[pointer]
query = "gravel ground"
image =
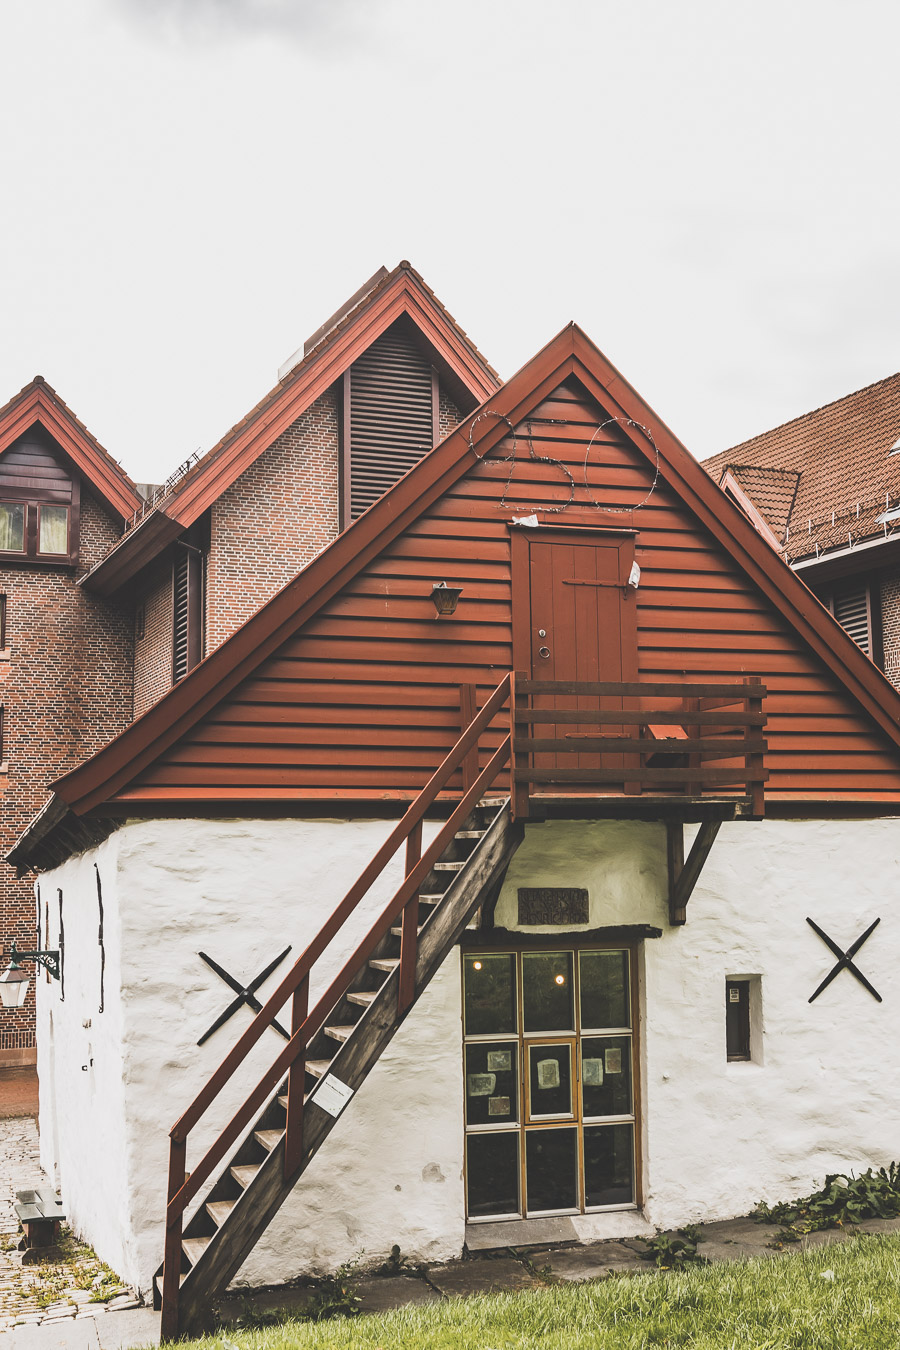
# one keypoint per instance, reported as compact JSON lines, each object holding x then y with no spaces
{"x":58,"y":1288}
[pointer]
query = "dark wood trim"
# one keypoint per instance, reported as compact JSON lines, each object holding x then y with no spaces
{"x":435,"y":407}
{"x":345,"y":423}
{"x":684,"y":874}
{"x":623,"y":934}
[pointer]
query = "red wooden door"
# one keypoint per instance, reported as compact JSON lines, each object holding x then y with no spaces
{"x":581,"y":626}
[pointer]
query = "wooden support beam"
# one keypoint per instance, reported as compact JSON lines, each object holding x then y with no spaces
{"x":683,"y":875}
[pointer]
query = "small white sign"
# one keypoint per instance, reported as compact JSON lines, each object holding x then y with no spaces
{"x":332,"y":1095}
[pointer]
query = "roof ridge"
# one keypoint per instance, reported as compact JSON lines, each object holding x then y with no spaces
{"x":802,"y":417}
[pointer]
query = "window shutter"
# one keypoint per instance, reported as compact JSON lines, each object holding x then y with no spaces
{"x":391,"y":416}
{"x":851,"y":609}
{"x":186,"y":630}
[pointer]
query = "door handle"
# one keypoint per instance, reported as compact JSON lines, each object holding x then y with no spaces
{"x":544,"y":653}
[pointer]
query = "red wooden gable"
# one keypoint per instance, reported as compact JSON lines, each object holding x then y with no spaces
{"x":39,"y":405}
{"x":346,"y":685}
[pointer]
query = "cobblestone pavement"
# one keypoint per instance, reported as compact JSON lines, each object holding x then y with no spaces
{"x":57,"y":1289}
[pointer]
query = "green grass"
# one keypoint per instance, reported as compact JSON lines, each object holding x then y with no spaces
{"x":765,"y":1304}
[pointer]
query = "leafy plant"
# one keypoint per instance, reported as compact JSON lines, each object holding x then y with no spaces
{"x":335,"y":1295}
{"x":842,"y":1200}
{"x":677,"y":1248}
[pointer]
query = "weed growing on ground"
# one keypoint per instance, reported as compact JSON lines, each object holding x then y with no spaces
{"x":335,"y":1295}
{"x":842,"y":1200}
{"x":671,"y":1250}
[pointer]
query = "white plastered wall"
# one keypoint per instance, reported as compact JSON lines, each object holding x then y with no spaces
{"x":715,"y":1136}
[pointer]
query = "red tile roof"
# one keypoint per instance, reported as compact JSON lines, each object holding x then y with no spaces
{"x":838,"y":459}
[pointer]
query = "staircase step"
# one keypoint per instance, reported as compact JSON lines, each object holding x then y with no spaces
{"x":398,"y":931}
{"x":218,"y":1210}
{"x":283,"y":1101}
{"x":450,"y":866}
{"x":362,"y":997}
{"x":194,"y":1248}
{"x":158,"y":1281}
{"x":244,"y":1175}
{"x":340,"y":1033}
{"x":318,"y":1067}
{"x":268,"y":1138}
{"x":470,"y":834}
{"x":384,"y":963}
{"x":433,"y":899}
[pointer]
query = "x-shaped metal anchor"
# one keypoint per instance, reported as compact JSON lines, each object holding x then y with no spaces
{"x":845,"y":960}
{"x":247,"y":995}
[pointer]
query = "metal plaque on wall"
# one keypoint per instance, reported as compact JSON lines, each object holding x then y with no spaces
{"x":562,"y":905}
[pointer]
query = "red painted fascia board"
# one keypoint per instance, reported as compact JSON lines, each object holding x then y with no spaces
{"x":208,"y":482}
{"x":104,"y":477}
{"x":728,"y":525}
{"x":102,"y":776}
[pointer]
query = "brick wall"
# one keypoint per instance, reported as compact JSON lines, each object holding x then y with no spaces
{"x":448,"y":413}
{"x":153,"y":650}
{"x":890,"y":624}
{"x":273,"y":521}
{"x":65,"y":687}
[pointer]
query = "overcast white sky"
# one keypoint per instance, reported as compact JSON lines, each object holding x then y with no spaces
{"x":190,"y":187}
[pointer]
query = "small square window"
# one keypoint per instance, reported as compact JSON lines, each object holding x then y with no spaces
{"x":12,"y":527}
{"x":53,"y":529}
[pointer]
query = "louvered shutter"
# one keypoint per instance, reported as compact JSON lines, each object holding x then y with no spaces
{"x":851,"y":609}
{"x":187,"y":607}
{"x":391,"y":421}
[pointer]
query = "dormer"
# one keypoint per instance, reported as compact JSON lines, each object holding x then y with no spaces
{"x":40,"y":499}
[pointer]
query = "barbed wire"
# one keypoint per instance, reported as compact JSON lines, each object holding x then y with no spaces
{"x":512,"y":459}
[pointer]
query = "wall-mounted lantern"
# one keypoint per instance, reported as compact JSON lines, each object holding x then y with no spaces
{"x":445,"y":597}
{"x":14,"y":982}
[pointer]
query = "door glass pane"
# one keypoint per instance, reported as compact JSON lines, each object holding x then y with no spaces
{"x":551,"y":1165}
{"x":608,"y":1165}
{"x":604,"y":990}
{"x":547,"y":991}
{"x":492,"y":1083}
{"x":490,"y":994}
{"x":12,"y":527}
{"x":549,"y":1080}
{"x":53,"y":535}
{"x":492,"y":1174}
{"x":606,"y":1076}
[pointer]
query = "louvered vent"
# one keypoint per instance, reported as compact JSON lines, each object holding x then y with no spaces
{"x":186,"y":594}
{"x":391,"y":416}
{"x":851,"y":609}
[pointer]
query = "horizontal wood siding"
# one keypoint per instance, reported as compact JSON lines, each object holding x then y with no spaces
{"x":30,"y":471}
{"x":364,"y":700}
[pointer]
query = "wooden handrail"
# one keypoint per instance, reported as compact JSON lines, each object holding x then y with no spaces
{"x":370,"y":874}
{"x":182,"y":1187}
{"x":296,"y":1046}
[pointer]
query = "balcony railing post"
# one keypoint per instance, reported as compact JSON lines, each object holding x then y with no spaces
{"x":296,"y":1085}
{"x":466,"y":715}
{"x":168,"y":1329}
{"x":409,"y":925}
{"x":518,"y":760}
{"x":755,"y":762}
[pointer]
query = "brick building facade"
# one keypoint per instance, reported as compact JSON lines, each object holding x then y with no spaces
{"x":96,"y":639}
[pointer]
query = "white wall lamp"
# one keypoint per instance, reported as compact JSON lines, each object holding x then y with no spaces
{"x":445,"y":597}
{"x":14,"y":982}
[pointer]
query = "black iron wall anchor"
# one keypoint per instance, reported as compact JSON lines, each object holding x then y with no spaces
{"x":247,"y":995}
{"x":845,"y":960}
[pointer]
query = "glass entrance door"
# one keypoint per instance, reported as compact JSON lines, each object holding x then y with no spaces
{"x":549,"y":1049}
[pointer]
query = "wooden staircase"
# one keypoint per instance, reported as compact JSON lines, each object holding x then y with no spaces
{"x":259,"y":1157}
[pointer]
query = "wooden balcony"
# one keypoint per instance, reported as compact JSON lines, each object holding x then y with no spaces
{"x":684,"y":749}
